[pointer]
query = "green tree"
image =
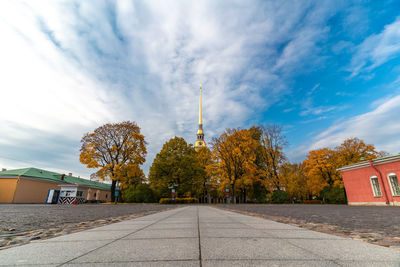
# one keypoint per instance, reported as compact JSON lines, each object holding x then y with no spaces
{"x":177,"y":163}
{"x":141,"y":193}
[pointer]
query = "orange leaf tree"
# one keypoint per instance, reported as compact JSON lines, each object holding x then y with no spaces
{"x":205,"y":159}
{"x":112,"y":148}
{"x":235,"y":154}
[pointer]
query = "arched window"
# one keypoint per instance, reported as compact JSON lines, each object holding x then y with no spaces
{"x":376,"y":188}
{"x":394,"y":184}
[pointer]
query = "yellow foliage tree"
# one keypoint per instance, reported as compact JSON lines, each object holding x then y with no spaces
{"x":272,"y":157}
{"x":321,"y":164}
{"x":205,"y":159}
{"x":113,"y":148}
{"x":295,"y":179}
{"x":354,"y":150}
{"x":320,"y":167}
{"x":235,"y":154}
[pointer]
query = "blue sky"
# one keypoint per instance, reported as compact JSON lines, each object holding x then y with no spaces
{"x":324,"y":70}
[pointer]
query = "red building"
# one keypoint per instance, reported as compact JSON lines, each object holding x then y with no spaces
{"x":373,"y":182}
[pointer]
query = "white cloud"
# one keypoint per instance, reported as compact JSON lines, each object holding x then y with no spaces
{"x":379,"y":127}
{"x":377,"y":49}
{"x":68,"y":67}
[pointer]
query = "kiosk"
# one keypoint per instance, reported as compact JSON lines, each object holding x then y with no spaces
{"x":72,"y":194}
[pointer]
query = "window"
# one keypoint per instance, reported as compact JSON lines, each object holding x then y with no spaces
{"x":376,"y":189}
{"x":79,"y":194}
{"x":394,"y":184}
{"x":94,"y":194}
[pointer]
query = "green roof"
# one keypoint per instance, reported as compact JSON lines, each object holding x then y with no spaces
{"x":54,"y":177}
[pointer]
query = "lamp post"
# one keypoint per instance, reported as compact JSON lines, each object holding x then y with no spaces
{"x":172,"y":187}
{"x":116,"y":192}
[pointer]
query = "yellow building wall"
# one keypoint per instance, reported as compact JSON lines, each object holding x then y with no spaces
{"x":33,"y":191}
{"x":101,"y":195}
{"x":7,"y":189}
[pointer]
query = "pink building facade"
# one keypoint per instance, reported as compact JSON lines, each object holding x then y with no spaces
{"x":374,"y":182}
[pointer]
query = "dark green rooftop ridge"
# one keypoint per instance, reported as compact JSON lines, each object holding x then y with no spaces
{"x":54,"y":177}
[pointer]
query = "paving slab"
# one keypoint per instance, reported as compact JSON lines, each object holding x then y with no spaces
{"x":144,"y":250}
{"x":199,"y":236}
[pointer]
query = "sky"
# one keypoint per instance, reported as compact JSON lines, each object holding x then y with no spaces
{"x":323,"y":70}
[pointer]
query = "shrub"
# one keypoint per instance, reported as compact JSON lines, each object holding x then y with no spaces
{"x":186,"y":200}
{"x":314,"y":201}
{"x":333,"y":195}
{"x":279,"y":196}
{"x":141,"y":193}
{"x":165,"y":201}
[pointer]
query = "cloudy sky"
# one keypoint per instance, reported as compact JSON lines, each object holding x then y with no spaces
{"x":324,"y":70}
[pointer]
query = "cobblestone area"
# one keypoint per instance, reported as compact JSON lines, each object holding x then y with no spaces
{"x":377,"y":225}
{"x":19,"y":224}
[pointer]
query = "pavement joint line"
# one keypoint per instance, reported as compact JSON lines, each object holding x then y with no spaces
{"x":115,"y":240}
{"x":198,"y":231}
{"x":286,"y":240}
{"x":137,"y":238}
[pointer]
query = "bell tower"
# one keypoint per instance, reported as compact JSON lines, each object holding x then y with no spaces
{"x":200,"y":134}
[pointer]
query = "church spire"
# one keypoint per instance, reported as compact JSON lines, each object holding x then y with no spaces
{"x":200,"y":116}
{"x":200,"y":134}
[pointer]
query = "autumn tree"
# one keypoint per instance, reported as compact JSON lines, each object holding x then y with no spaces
{"x":235,"y":155}
{"x":353,"y":150}
{"x":112,"y":148}
{"x":320,"y":167}
{"x":177,"y":163}
{"x":130,"y":175}
{"x":295,"y":179}
{"x":205,"y":160}
{"x":272,"y":156}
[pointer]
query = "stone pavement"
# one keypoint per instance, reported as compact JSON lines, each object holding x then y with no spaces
{"x":199,"y":236}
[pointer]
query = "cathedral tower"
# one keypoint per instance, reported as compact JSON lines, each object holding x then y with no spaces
{"x":200,"y":134}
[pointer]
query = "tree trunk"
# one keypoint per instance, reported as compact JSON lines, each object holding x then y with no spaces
{"x":113,"y":183}
{"x":233,"y":199}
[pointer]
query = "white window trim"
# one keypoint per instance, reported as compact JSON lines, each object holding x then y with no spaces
{"x":390,"y":183}
{"x":372,"y":185}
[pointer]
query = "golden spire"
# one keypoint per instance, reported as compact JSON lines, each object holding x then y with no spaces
{"x":200,"y":117}
{"x":200,"y":134}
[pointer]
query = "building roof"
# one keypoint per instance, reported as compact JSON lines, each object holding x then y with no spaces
{"x":365,"y":163}
{"x":54,"y":177}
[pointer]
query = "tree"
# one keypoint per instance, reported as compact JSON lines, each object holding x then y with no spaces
{"x":177,"y":163}
{"x":130,"y":175}
{"x":320,"y":167}
{"x":354,"y":150}
{"x":272,"y":157}
{"x":295,"y":179}
{"x":235,"y":154}
{"x":205,"y":160}
{"x":111,"y":147}
{"x":141,"y":193}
